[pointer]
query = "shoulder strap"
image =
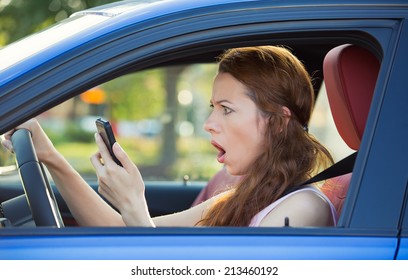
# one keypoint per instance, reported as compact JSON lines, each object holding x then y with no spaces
{"x":341,"y":167}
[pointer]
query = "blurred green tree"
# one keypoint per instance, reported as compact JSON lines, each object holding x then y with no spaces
{"x":19,"y":18}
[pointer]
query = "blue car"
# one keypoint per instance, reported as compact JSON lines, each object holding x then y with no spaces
{"x":153,"y":54}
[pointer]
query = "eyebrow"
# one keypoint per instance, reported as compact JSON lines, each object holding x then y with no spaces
{"x":220,"y":101}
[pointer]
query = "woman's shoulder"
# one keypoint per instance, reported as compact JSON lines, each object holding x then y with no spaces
{"x":306,"y":207}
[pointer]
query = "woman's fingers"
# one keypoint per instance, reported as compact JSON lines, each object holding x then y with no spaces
{"x":7,"y":144}
{"x":117,"y":150}
{"x":103,"y":150}
{"x":124,"y":159}
{"x":120,"y":185}
{"x":96,"y":161}
{"x":42,"y":144}
{"x":6,"y":140}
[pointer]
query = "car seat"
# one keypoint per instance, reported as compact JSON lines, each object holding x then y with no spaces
{"x":350,"y":74}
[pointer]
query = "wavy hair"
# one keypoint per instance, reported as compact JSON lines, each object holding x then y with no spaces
{"x":274,"y":78}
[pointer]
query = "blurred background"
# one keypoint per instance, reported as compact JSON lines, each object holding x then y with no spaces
{"x":157,"y":114}
{"x":19,"y":18}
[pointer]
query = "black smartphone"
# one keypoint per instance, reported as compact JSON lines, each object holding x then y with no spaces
{"x":104,"y":129}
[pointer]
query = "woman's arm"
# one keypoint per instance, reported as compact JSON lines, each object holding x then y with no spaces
{"x":303,"y":209}
{"x":186,"y":218}
{"x":87,"y":207}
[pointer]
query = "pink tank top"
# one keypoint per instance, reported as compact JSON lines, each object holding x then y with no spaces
{"x":256,"y":220}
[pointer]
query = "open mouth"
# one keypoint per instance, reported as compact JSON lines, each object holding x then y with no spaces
{"x":221,"y":152}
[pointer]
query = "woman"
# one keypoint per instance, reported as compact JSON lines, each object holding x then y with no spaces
{"x":261,"y":103}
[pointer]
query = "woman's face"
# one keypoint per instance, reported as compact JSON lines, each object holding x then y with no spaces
{"x":236,"y":125}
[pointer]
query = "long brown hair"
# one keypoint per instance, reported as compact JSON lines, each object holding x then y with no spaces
{"x":274,"y":78}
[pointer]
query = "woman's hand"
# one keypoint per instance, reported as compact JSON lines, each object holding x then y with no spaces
{"x":42,"y":144}
{"x":123,"y":186}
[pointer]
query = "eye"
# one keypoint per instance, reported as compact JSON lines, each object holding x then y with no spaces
{"x":226,"y":110}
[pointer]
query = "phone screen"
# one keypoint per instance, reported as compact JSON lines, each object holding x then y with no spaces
{"x":105,"y":130}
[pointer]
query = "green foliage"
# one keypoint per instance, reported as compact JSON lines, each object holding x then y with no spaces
{"x":6,"y":158}
{"x":19,"y":18}
{"x":136,"y":96}
{"x":74,"y":133}
{"x":78,"y":154}
{"x":142,"y":151}
{"x":196,"y":159}
{"x":69,"y":132}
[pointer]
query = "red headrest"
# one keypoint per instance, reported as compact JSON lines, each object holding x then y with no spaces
{"x":350,"y":74}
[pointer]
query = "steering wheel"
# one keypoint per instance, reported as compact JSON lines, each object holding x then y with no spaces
{"x":36,"y":186}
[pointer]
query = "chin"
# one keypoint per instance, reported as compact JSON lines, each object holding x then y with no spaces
{"x":234,"y":172}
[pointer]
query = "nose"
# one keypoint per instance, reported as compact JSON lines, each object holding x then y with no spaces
{"x":210,"y":124}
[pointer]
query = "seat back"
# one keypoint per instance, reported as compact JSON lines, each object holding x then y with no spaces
{"x":350,"y":74}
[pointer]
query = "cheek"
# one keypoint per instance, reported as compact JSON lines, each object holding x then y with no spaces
{"x":244,"y":152}
{"x":250,"y":136}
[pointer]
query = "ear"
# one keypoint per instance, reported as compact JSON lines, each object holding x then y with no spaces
{"x":287,"y":113}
